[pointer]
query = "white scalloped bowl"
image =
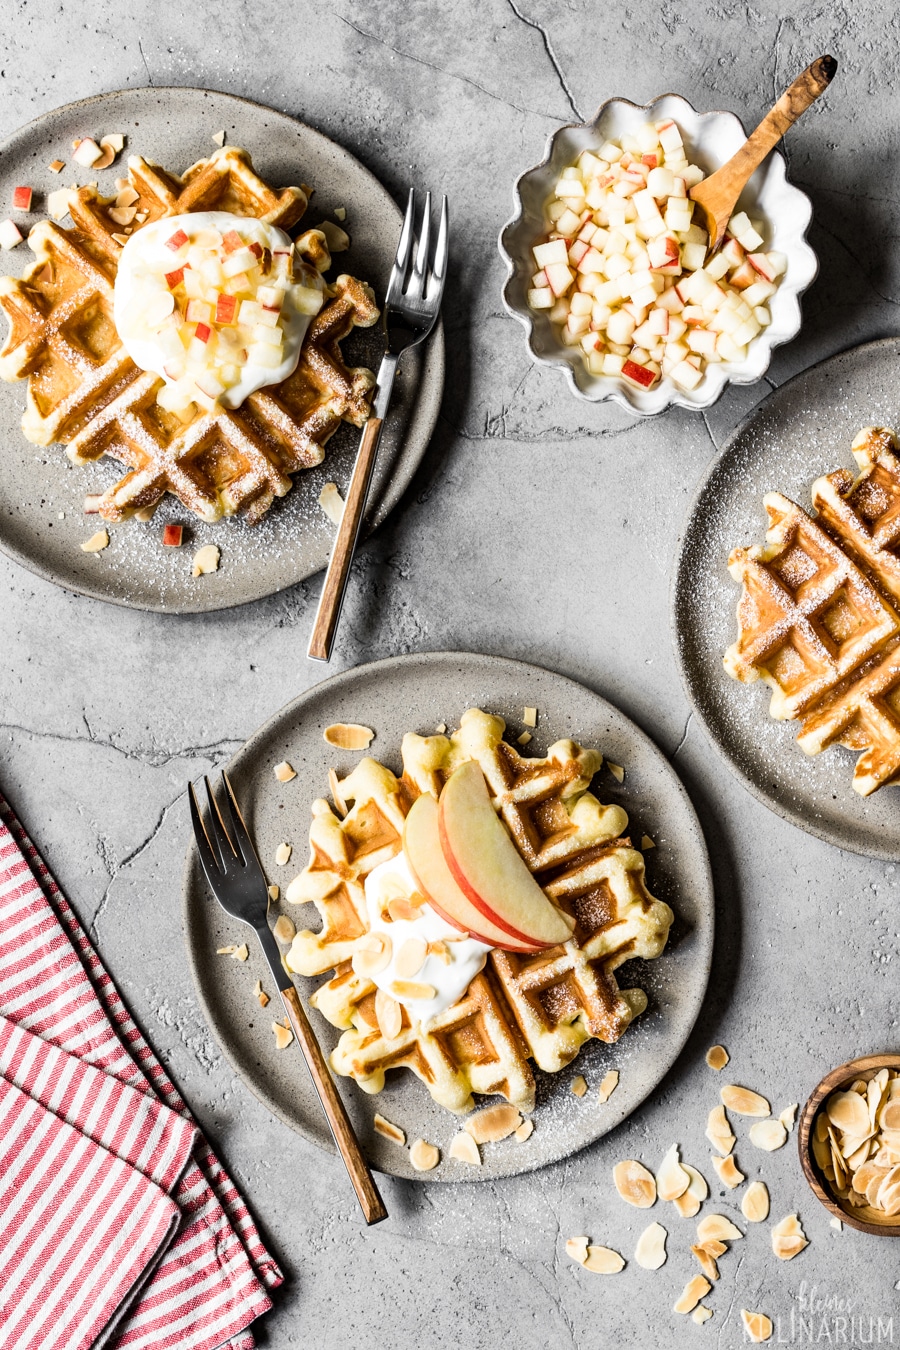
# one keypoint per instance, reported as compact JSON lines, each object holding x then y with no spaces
{"x":710,"y":139}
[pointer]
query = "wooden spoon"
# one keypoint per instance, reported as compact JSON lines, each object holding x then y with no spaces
{"x":717,"y":195}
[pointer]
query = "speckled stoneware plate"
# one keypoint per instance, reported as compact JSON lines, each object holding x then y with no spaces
{"x":799,"y":432}
{"x":41,"y":520}
{"x":417,"y":693}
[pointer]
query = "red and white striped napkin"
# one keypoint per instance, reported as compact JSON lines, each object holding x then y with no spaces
{"x":210,"y":1284}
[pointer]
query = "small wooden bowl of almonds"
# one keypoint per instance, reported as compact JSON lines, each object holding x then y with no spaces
{"x":849,"y":1141}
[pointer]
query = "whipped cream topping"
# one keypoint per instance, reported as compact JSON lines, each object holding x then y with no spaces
{"x":449,"y":979}
{"x":173,"y":306}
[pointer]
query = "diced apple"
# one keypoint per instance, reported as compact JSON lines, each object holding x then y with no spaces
{"x":664,"y":254}
{"x":21,"y":198}
{"x":702,"y":341}
{"x":717,"y":265}
{"x":592,"y":261}
{"x":546,"y":255}
{"x":261,"y":354}
{"x":669,"y":137}
{"x":639,"y":374}
{"x":579,"y":248}
{"x":728,"y":349}
{"x":172,"y":536}
{"x":200,"y":312}
{"x":758,"y":293}
{"x":87,"y":152}
{"x":745,"y":334}
{"x":777,"y":261}
{"x":620,"y":327}
{"x":685,"y":375}
{"x":540,"y":299}
{"x":10,"y":234}
{"x":177,"y":241}
{"x":568,"y":223}
{"x":732,"y":250}
{"x":744,"y":276}
{"x":658,"y":321}
{"x":560,"y":277}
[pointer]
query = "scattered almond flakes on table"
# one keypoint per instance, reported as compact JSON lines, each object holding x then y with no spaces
{"x":282,"y":854}
{"x":707,"y":1261}
{"x":389,"y":1130}
{"x":744,"y":1102}
{"x":728,"y":1170}
{"x":635,"y":1183}
{"x":604,"y":1261}
{"x":283,"y":1035}
{"x":609,"y":1085}
{"x":701,"y":1314}
{"x":716,"y":1228}
{"x":283,"y":772}
{"x":284,"y":928}
{"x":423,"y":1156}
{"x":464,"y":1149}
{"x":57,"y":165}
{"x":768,"y":1135}
{"x":577,"y":1249}
{"x":261,"y":995}
{"x":650,"y":1252}
{"x":718,"y":1131}
{"x":206,"y":560}
{"x":241,"y":953}
{"x":274,"y":892}
{"x":755,"y":1204}
{"x":226,"y":951}
{"x":96,"y":543}
{"x":717,"y":1057}
{"x":493,"y":1123}
{"x":617,"y":771}
{"x":788,"y":1116}
{"x":340,"y":213}
{"x":788,"y":1238}
{"x":219,"y":138}
{"x":524,"y":1131}
{"x":694,"y":1290}
{"x":688,"y":1204}
{"x":349,"y":736}
{"x":757,"y":1326}
{"x":578,"y":1086}
{"x":671,"y":1178}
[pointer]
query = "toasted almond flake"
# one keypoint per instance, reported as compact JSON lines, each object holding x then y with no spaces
{"x":728,"y":1171}
{"x":465,"y":1149}
{"x":525,"y":1131}
{"x":694,"y":1290}
{"x":389,"y":1130}
{"x":371,"y":956}
{"x":836,"y":1223}
{"x":411,"y":957}
{"x":219,"y":138}
{"x":635,"y":1183}
{"x":707,"y":1262}
{"x":284,"y":928}
{"x":744,"y":1102}
{"x":441,"y":728}
{"x":423,"y":1156}
{"x":340,"y":213}
{"x":440,"y":951}
{"x":241,"y":953}
{"x":493,"y":1123}
{"x":788,"y":1238}
{"x":848,"y":1112}
{"x":116,"y":140}
{"x":688,"y":1204}
{"x":274,"y":892}
{"x":646,"y":843}
{"x":788,"y":1115}
{"x":283,"y":772}
{"x":349,"y":736}
{"x":757,"y":1326}
{"x":141,"y":216}
{"x":529,"y":717}
{"x":122,"y":215}
{"x":524,"y":738}
{"x":332,"y":503}
{"x":57,"y":165}
{"x":650,"y":1252}
{"x":283,"y":1035}
{"x":717,"y":1057}
{"x":413,"y":989}
{"x":890,"y":1116}
{"x":389,"y":1015}
{"x":577,"y":1249}
{"x":701,"y":1314}
{"x":718,"y":1131}
{"x":226,"y":951}
{"x":714,"y":1247}
{"x":671,"y":1178}
{"x":768,"y":1135}
{"x":755,"y":1204}
{"x":122,"y":240}
{"x":127,"y":196}
{"x":603,"y":1261}
{"x":206,"y":560}
{"x":578,"y":1086}
{"x":336,"y":796}
{"x":609,"y":1085}
{"x":282,"y":854}
{"x":409,"y":908}
{"x":716,"y":1228}
{"x":617,"y":771}
{"x":96,"y":543}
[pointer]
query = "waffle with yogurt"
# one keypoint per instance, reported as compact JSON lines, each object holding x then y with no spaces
{"x":540,"y":1007}
{"x":84,"y":390}
{"x":819,"y":614}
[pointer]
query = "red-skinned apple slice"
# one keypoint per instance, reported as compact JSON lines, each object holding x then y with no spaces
{"x":488,"y":867}
{"x":422,"y":848}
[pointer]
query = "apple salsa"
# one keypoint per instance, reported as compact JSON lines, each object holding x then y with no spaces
{"x":624,"y":271}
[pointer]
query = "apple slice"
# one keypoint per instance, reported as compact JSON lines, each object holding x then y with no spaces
{"x":422,"y":848}
{"x":489,"y":868}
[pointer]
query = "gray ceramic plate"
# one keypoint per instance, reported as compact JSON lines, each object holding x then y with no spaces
{"x":802,"y":430}
{"x":41,"y":520}
{"x":418,"y":693}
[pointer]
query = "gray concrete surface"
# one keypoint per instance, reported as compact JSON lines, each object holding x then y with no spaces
{"x":541,"y":528}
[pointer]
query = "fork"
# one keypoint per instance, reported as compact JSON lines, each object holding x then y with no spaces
{"x":236,"y":879}
{"x":410,"y":312}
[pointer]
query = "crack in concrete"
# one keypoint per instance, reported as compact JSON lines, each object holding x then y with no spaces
{"x":888,"y":299}
{"x":153,"y":758}
{"x":450,"y":75}
{"x":683,"y":736}
{"x":548,"y":48}
{"x":560,"y":434}
{"x":135,"y":853}
{"x":709,"y":430}
{"x":146,"y":66}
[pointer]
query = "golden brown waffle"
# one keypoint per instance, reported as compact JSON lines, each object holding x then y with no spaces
{"x":817,"y":617}
{"x":84,"y":390}
{"x":520,"y":1007}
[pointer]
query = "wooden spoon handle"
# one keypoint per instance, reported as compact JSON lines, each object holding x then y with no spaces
{"x":370,"y":1201}
{"x":794,"y":101}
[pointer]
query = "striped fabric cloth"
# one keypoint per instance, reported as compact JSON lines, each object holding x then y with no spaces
{"x":211,"y":1283}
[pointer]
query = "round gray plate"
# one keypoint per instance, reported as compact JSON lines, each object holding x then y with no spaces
{"x":796,"y":434}
{"x":417,"y":693}
{"x":41,"y":520}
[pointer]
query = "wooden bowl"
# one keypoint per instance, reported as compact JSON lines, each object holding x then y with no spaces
{"x":865,"y":1218}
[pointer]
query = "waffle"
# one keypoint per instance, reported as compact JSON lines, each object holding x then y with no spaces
{"x":819,"y":614}
{"x":520,"y":1008}
{"x":84,"y":390}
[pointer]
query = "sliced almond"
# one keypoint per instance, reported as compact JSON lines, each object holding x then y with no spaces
{"x":635,"y":1183}
{"x":349,"y":736}
{"x":372,"y":954}
{"x":744,"y":1102}
{"x":493,"y":1123}
{"x":97,"y":542}
{"x":411,"y":957}
{"x":525,"y":1131}
{"x":788,"y":1238}
{"x":122,"y":215}
{"x":440,"y":951}
{"x":609,"y":1085}
{"x":646,"y":843}
{"x":524,"y":738}
{"x":689,"y":1204}
{"x":728,"y":1171}
{"x":389,"y":1015}
{"x":122,"y":240}
{"x":757,"y":1326}
{"x":389,"y":1130}
{"x":716,"y":1228}
{"x":671,"y":1178}
{"x":768,"y":1135}
{"x":226,"y":951}
{"x":332,"y":503}
{"x":707,"y":1262}
{"x":529,"y":717}
{"x":283,"y":772}
{"x":578,"y":1086}
{"x":261,"y":996}
{"x":577,"y":1249}
{"x":604,"y":1261}
{"x":126,"y":196}
{"x":57,"y":165}
{"x":406,"y":908}
{"x":617,"y":771}
{"x":284,"y":929}
{"x":849,"y":1112}
{"x":694,"y":1290}
{"x":414,"y":990}
{"x":206,"y":560}
{"x":337,"y":239}
{"x":336,"y":797}
{"x":650,"y":1252}
{"x":241,"y":953}
{"x":340,"y":213}
{"x":423,"y":1156}
{"x":717,"y":1057}
{"x":58,"y":202}
{"x":701,"y":1314}
{"x":283,"y":1035}
{"x":718,"y":1131}
{"x":714,"y":1247}
{"x":788,"y":1116}
{"x":890,"y":1116}
{"x":219,"y":138}
{"x":465,"y":1149}
{"x":836,"y":1223}
{"x":282,"y":854}
{"x":274,"y":892}
{"x":755,"y":1204}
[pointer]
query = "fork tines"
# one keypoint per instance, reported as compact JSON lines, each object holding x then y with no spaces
{"x":411,"y":277}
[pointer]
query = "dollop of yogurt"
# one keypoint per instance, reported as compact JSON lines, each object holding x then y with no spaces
{"x":449,"y":979}
{"x":215,"y":304}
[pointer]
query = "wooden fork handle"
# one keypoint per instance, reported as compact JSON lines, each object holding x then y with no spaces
{"x":794,"y":101}
{"x":332,"y":596}
{"x":370,"y":1201}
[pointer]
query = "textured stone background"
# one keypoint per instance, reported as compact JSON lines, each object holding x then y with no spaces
{"x":538,"y":527}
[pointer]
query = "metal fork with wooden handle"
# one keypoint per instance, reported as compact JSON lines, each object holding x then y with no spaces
{"x":410,"y":312}
{"x":236,"y":879}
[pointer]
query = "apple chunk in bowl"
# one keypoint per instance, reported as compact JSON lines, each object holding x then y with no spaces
{"x":631,"y":241}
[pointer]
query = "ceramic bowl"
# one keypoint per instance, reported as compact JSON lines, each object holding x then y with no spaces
{"x":710,"y":139}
